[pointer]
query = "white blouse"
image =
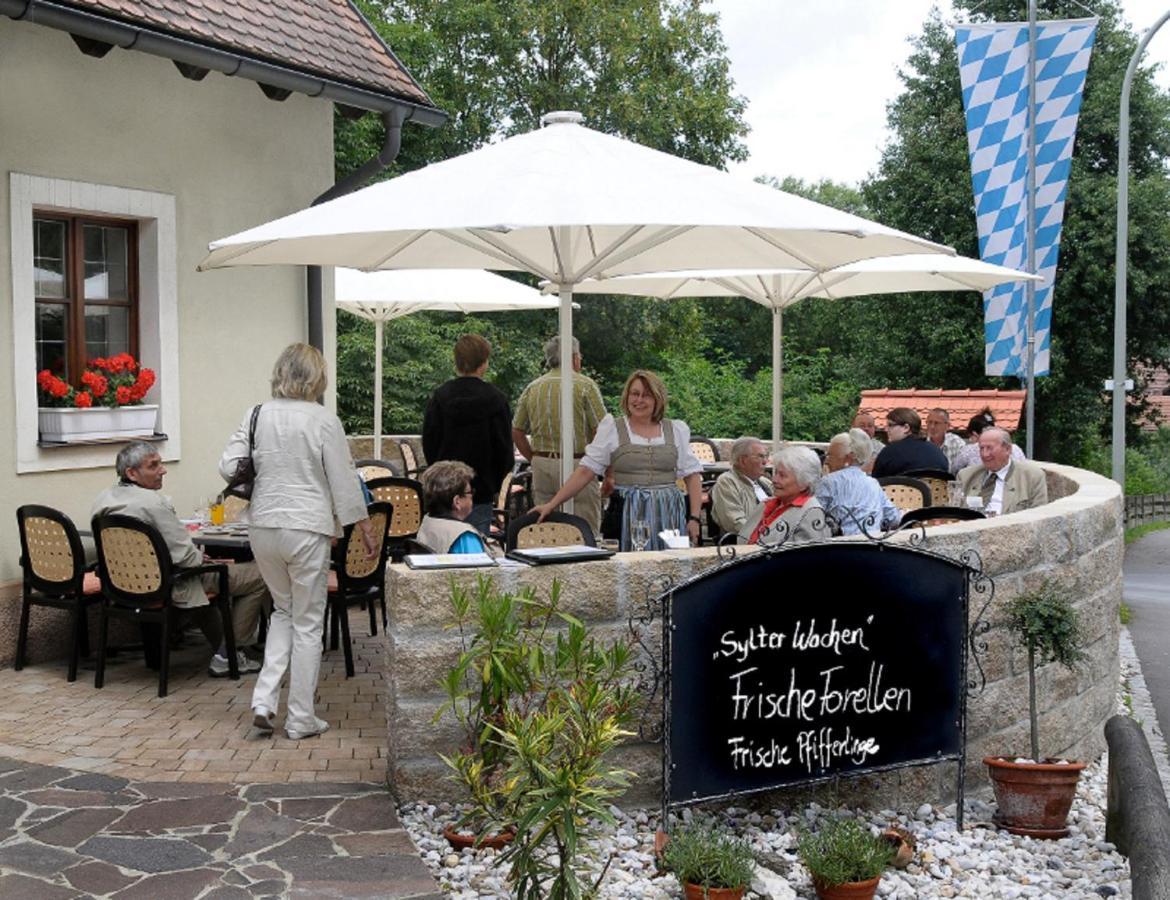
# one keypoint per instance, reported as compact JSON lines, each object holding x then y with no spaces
{"x":605,"y":442}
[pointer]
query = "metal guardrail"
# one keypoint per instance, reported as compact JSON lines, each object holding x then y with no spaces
{"x":1142,"y":509}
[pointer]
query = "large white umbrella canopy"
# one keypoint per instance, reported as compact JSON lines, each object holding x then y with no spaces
{"x":567,"y":203}
{"x":391,"y":294}
{"x":781,"y":288}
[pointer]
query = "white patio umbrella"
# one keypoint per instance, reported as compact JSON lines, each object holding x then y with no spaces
{"x":566,"y":203}
{"x":391,"y":294}
{"x":781,"y":288}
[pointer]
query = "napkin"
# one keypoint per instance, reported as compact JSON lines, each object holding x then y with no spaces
{"x":673,"y":540}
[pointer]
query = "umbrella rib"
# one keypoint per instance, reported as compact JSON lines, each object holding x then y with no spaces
{"x":611,"y":257}
{"x":501,"y":252}
{"x":743,"y":289}
{"x":393,"y":253}
{"x":240,"y":251}
{"x":780,"y":245}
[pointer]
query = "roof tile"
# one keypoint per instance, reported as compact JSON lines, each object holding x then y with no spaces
{"x":324,"y":37}
{"x":1006,"y":406}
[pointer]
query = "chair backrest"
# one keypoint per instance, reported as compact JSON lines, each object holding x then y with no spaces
{"x":409,"y":457}
{"x":557,"y":530}
{"x":905,"y":493}
{"x":356,"y":570}
{"x":406,"y":496}
{"x":233,"y":507}
{"x":377,"y":468}
{"x":505,"y":490}
{"x":51,"y":554}
{"x":134,"y":564}
{"x":937,"y":480}
{"x":941,"y":515}
{"x":704,"y":449}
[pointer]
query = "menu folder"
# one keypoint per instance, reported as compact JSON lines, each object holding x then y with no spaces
{"x":540,"y":556}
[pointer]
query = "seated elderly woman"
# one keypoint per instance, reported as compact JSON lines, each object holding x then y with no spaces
{"x":738,"y":493}
{"x":854,"y":500}
{"x":793,"y":515}
{"x":448,"y":496}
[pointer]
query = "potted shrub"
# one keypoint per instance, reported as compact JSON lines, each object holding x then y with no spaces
{"x":845,"y":859}
{"x":1035,"y":794}
{"x":709,"y":863}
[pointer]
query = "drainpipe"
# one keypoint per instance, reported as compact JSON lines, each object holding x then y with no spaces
{"x":392,"y":122}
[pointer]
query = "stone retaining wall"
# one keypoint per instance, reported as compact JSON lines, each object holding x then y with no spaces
{"x":1076,"y":541}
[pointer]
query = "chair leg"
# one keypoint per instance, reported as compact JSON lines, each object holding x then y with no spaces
{"x":77,"y":617}
{"x":343,"y":622}
{"x":99,"y":676}
{"x":164,"y":660}
{"x":373,"y":616}
{"x":229,"y":636}
{"x":22,"y":635}
{"x":382,"y":600}
{"x":338,"y":614}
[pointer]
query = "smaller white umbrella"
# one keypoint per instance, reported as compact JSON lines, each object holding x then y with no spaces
{"x":382,"y":296}
{"x":780,"y":288}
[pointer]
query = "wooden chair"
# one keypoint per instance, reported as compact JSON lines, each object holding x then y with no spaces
{"x":405,"y":495}
{"x":52,"y":562}
{"x":410,"y":463}
{"x":905,"y":493}
{"x":138,"y":581}
{"x":937,"y":480}
{"x":233,"y":507}
{"x":704,"y":449}
{"x":370,"y":469}
{"x":357,"y":579}
{"x":514,"y":499}
{"x":557,"y":530}
{"x":942,"y":515}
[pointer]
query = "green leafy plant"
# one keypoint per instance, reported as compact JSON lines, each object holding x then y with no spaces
{"x":707,"y":856}
{"x":843,"y":851}
{"x":1045,"y":623}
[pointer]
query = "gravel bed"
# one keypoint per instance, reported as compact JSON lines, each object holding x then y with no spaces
{"x":982,"y":861}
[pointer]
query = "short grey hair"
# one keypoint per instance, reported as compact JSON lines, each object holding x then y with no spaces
{"x":552,"y":351}
{"x":742,"y":446}
{"x":132,"y":456}
{"x":857,"y":442}
{"x":1005,"y":437}
{"x":803,"y":463}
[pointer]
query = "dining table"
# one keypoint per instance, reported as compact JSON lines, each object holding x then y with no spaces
{"x":228,"y":541}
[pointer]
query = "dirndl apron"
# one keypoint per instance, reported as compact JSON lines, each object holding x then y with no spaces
{"x":644,"y":478}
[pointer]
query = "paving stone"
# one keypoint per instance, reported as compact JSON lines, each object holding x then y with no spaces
{"x":374,"y":813}
{"x":71,"y":828}
{"x":163,"y":814}
{"x":11,"y":809}
{"x":262,"y":872}
{"x":307,"y":808}
{"x":25,"y":888}
{"x":55,"y":796}
{"x":175,"y":886}
{"x":235,"y":877}
{"x":376,"y":843}
{"x":258,"y":829}
{"x":30,"y":777}
{"x":303,"y":845}
{"x":279,"y":791}
{"x":177,"y":790}
{"x":93,"y":781}
{"x":271,"y":888}
{"x":36,"y":859}
{"x":227,"y":892}
{"x":98,"y":878}
{"x":145,"y":854}
{"x":10,"y":765}
{"x":367,"y":876}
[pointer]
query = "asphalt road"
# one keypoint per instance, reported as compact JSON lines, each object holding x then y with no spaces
{"x":1147,"y":594}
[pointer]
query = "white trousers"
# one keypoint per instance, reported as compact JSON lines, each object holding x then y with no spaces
{"x":295,"y":566}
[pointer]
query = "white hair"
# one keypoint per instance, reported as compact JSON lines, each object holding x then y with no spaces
{"x":552,"y":351}
{"x":742,"y":446}
{"x":132,"y":456}
{"x":1005,"y":437}
{"x":802,"y":463}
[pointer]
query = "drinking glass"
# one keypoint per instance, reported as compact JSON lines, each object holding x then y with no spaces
{"x":640,"y":534}
{"x":974,"y":501}
{"x":954,"y":494}
{"x":202,"y":510}
{"x":216,"y":512}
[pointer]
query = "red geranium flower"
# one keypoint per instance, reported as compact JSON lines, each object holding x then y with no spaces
{"x":123,"y":394}
{"x":83,"y":400}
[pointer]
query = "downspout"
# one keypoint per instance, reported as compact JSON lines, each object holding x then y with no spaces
{"x":392,"y":122}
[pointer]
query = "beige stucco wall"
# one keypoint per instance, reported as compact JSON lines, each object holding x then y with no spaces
{"x":1076,"y":541}
{"x":231,"y":158}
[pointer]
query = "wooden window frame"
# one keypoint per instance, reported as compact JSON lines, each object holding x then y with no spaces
{"x":74,"y":300}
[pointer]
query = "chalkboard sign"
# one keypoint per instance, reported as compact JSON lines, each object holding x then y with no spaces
{"x":818,"y":660}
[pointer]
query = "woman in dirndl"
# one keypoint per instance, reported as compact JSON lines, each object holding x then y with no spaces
{"x":648,"y":453}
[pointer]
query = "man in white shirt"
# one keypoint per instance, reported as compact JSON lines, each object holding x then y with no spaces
{"x":1006,"y":485}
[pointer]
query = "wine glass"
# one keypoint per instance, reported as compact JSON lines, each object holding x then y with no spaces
{"x":639,"y":534}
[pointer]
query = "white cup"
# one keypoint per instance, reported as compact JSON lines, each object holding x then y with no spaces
{"x":974,"y":501}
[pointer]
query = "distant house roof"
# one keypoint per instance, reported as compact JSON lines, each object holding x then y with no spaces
{"x":1157,"y":394}
{"x":1006,"y":406}
{"x":325,"y":38}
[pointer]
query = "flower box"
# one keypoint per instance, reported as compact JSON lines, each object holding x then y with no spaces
{"x":70,"y":425}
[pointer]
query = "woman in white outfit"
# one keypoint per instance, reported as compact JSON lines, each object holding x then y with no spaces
{"x":306,"y":489}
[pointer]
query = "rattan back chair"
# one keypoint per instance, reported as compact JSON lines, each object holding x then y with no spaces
{"x":138,"y":581}
{"x":939,"y":482}
{"x":52,"y":562}
{"x":904,"y":492}
{"x":377,"y":468}
{"x":704,"y":449}
{"x":233,"y":508}
{"x":557,"y":530}
{"x":358,"y":579}
{"x":411,"y":465}
{"x":405,"y":495}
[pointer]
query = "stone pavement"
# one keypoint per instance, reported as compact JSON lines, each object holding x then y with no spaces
{"x":117,"y":793}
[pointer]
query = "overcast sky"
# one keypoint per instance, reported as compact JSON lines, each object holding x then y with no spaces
{"x":819,"y":73}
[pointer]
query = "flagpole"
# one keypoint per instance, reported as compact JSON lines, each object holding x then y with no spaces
{"x":1030,"y":287}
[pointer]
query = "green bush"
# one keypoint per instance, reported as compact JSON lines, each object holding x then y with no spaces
{"x":708,"y":856}
{"x":843,"y":851}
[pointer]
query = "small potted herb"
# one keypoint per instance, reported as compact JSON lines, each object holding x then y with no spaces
{"x":845,"y":859}
{"x":709,"y":862}
{"x":1034,"y":795}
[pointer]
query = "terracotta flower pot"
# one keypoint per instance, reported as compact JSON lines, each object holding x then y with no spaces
{"x":1033,"y":798}
{"x":459,"y":840}
{"x":696,"y":892}
{"x":852,"y":890}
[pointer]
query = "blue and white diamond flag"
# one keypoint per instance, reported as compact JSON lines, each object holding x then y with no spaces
{"x":993,"y":71}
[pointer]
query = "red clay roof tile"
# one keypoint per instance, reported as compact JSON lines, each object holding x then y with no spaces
{"x":1006,"y":406}
{"x":324,"y":37}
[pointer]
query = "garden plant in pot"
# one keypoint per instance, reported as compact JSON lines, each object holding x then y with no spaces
{"x":709,"y":863}
{"x":844,"y":858}
{"x":1034,"y":795}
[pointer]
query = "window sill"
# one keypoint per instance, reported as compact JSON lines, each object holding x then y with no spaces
{"x":155,"y":438}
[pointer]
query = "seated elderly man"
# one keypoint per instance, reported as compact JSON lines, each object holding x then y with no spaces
{"x":854,"y":499}
{"x":138,"y":493}
{"x":792,"y":515}
{"x":1006,"y":485}
{"x":448,"y":494}
{"x":737,"y":493}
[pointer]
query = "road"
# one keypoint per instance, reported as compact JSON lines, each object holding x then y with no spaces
{"x":1147,"y":594}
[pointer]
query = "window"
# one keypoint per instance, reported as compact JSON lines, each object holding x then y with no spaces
{"x":85,"y":276}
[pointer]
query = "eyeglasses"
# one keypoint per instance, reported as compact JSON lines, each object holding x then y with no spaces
{"x":467,"y":493}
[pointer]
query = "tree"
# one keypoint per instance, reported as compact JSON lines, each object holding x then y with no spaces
{"x":938,"y":340}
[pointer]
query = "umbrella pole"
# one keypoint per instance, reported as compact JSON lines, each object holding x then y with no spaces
{"x":566,"y":333}
{"x":378,"y":389}
{"x":777,"y":378}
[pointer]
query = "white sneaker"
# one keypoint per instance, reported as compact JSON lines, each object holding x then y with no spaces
{"x":219,"y":667}
{"x":319,"y":726}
